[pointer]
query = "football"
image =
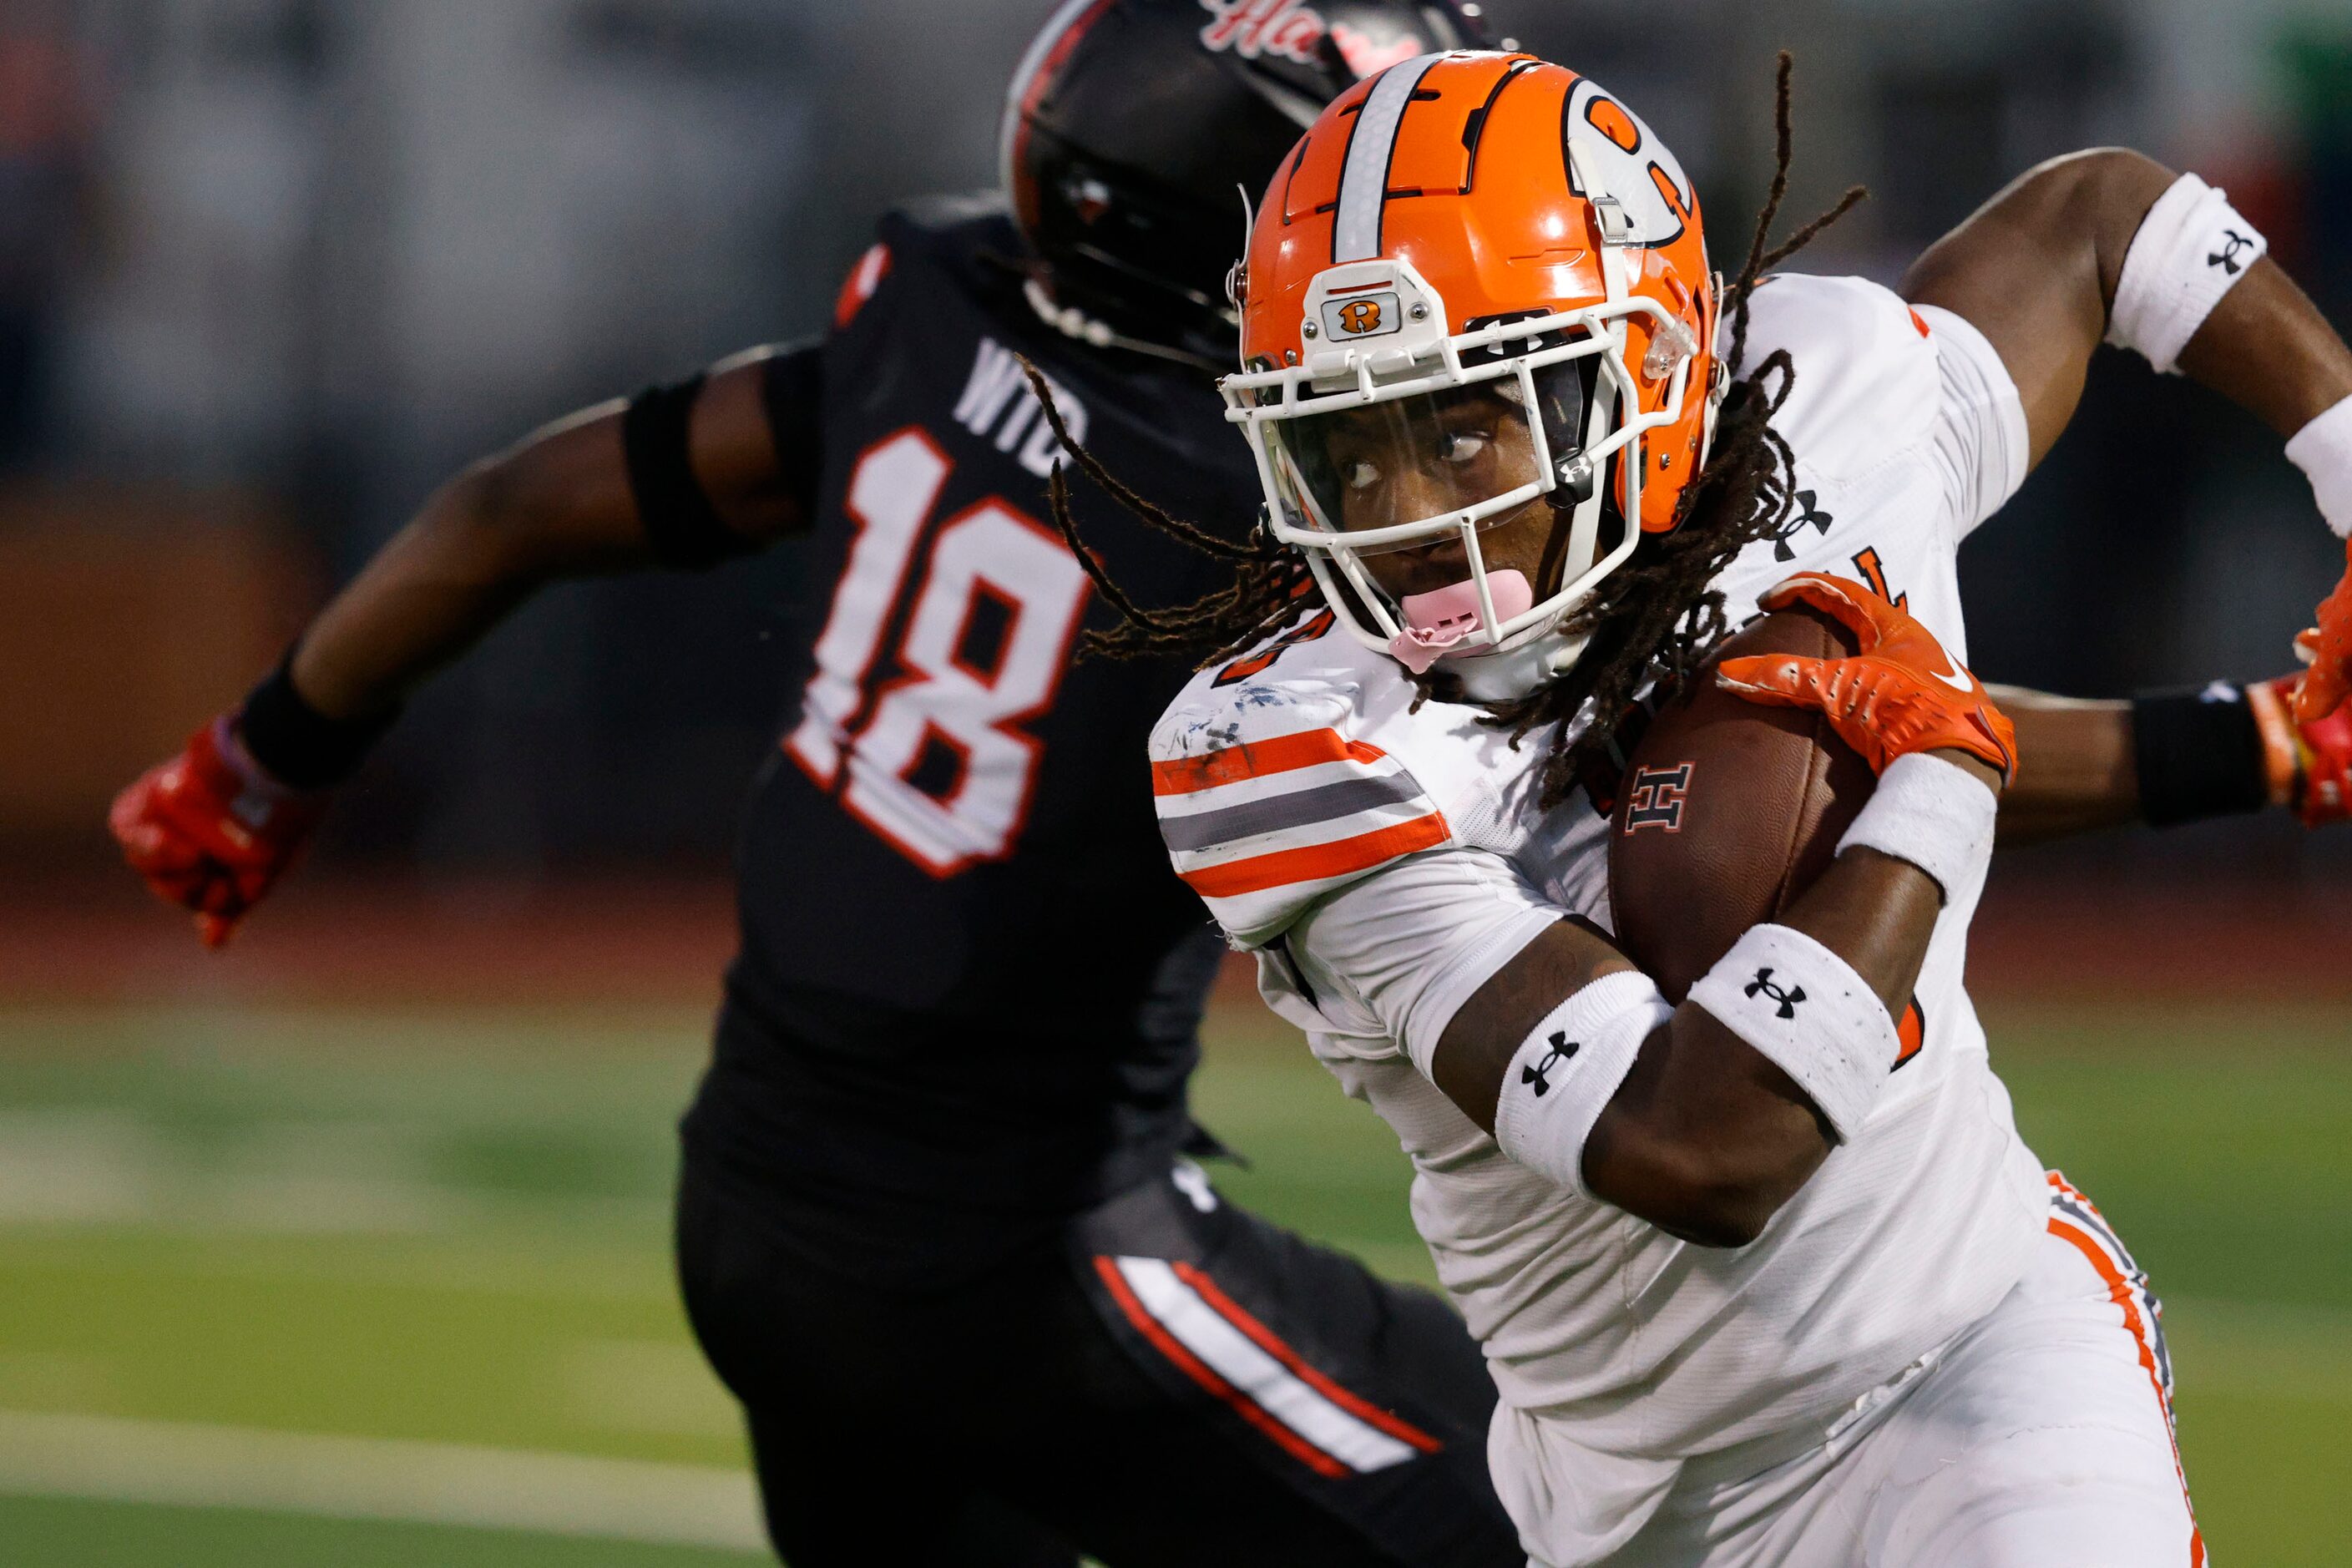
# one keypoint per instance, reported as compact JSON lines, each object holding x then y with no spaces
{"x":1729,"y":810}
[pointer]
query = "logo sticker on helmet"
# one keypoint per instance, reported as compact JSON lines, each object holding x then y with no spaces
{"x":1635,"y":165}
{"x":1286,"y":29}
{"x":1251,"y":28}
{"x":1365,"y":315}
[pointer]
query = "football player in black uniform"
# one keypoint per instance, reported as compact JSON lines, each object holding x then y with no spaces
{"x":938,"y":1229}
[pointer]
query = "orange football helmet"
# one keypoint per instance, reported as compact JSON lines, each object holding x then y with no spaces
{"x":1477,"y":227}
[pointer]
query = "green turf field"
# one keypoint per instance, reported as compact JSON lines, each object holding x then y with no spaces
{"x":387,"y":1287}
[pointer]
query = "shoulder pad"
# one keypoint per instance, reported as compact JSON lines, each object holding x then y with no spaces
{"x":1866,"y":375}
{"x":1277,"y":789}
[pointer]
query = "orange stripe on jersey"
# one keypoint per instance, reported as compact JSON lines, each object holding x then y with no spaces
{"x":1257,"y":759}
{"x":1318,"y":861}
{"x":1266,"y":1339}
{"x":1910,"y":1034}
{"x":2120,"y":1289}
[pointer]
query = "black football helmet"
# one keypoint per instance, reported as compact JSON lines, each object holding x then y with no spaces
{"x":1133,"y":127}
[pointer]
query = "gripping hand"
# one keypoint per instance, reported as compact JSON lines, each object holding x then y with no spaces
{"x":210,"y":831}
{"x":2309,"y":761}
{"x":1899,"y":693}
{"x":2328,"y":648}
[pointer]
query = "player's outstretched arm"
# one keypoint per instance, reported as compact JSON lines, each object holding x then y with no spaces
{"x":1706,"y":1118}
{"x":683,"y":476}
{"x":2040,"y":270}
{"x":2112,"y":247}
{"x":2165,"y":758}
{"x":606,"y":489}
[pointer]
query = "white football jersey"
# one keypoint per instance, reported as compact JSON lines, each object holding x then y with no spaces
{"x":1384,"y":861}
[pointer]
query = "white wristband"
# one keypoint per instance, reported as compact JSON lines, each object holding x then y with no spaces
{"x":1931,"y":814}
{"x":2191,"y":250}
{"x":1807,"y":1011}
{"x":1570,"y":1066}
{"x":2323,"y":450}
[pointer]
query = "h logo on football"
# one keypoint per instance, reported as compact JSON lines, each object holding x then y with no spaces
{"x":1787,"y":996}
{"x":1656,"y":798}
{"x":1562,"y":1050}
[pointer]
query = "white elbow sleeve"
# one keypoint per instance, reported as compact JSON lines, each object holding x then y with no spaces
{"x":2191,"y":249}
{"x":1807,"y":1011}
{"x":1568,"y":1070}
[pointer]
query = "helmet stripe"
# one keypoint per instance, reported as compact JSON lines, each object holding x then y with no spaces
{"x":1046,"y":51}
{"x":1371,"y":146}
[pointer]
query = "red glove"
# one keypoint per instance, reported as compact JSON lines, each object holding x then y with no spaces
{"x":2309,"y":761}
{"x":1900,"y":693}
{"x":2328,"y":649}
{"x":211,"y":831}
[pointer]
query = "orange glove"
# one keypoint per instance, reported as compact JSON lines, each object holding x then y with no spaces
{"x":2309,"y":761}
{"x":211,"y":831}
{"x":2328,"y":648}
{"x":1900,"y":693}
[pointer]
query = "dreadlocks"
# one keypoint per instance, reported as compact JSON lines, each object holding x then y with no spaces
{"x":1650,"y":623}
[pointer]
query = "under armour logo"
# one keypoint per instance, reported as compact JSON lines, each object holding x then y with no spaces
{"x":1807,"y":517}
{"x":1562,"y":1048}
{"x":1787,"y":996}
{"x":2226,"y":259}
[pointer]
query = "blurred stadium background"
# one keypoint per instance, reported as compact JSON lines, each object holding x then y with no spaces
{"x":350,"y":1245}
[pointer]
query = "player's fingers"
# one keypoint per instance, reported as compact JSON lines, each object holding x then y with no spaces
{"x":1850,"y":604}
{"x":2306,"y":644}
{"x":2320,"y":692}
{"x":216,"y":930}
{"x":1779,"y":680}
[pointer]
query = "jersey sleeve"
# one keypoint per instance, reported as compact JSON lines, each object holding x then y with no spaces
{"x":1392,"y":957}
{"x":1876,"y":379}
{"x":1980,"y":435}
{"x":1269,"y":798}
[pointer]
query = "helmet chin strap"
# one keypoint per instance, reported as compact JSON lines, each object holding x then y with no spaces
{"x":1505,"y":677}
{"x":1492,"y":676}
{"x":1072,"y":322}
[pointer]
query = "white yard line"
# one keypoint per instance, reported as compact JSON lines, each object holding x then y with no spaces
{"x":375,"y":1479}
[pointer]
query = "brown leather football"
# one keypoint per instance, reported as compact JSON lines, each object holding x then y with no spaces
{"x":1728,"y":811}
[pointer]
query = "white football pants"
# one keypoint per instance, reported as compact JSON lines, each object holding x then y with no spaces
{"x":2040,"y":1438}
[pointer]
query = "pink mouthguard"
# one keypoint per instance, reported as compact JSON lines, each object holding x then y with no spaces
{"x":1434,"y":623}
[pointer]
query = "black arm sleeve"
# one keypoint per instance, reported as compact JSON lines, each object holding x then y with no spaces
{"x":298,"y":745}
{"x":792,"y":388}
{"x":2199,"y":754}
{"x":681,"y":525}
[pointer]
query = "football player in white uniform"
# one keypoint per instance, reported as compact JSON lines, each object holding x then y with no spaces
{"x":1752,"y":1295}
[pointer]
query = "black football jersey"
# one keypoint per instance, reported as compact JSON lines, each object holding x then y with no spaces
{"x":968,"y":979}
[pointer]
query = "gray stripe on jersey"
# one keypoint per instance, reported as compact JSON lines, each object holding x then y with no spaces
{"x":1364,"y":180}
{"x":1272,"y":815}
{"x":2133,"y":1275}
